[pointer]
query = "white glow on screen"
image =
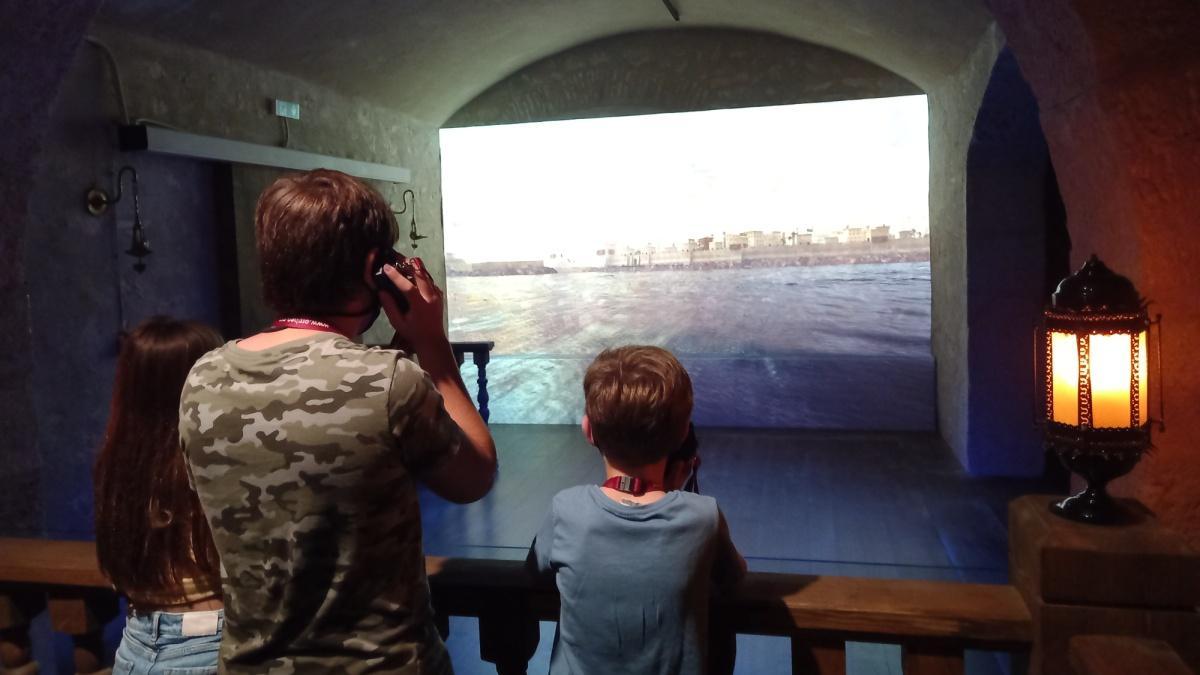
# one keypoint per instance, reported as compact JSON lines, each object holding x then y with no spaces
{"x":524,"y":191}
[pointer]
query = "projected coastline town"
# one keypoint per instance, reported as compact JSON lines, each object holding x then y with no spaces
{"x":799,"y":329}
{"x":864,"y":244}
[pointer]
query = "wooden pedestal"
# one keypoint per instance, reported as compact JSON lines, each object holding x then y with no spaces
{"x":1137,"y":579}
{"x":1117,"y":655}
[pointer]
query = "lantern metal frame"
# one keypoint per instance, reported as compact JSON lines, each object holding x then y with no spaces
{"x":1095,"y":301}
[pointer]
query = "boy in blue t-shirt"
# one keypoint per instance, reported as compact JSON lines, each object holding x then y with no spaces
{"x":634,"y":563}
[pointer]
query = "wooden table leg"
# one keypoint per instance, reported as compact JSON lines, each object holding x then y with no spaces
{"x":17,"y":609}
{"x":818,"y":657}
{"x":508,"y":636}
{"x":930,"y":660}
{"x":481,"y":361}
{"x":82,"y":613}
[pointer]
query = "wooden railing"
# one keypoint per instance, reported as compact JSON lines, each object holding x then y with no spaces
{"x":62,"y":578}
{"x":932,"y":621}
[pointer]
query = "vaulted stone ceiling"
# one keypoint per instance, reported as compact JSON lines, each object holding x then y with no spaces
{"x":429,"y":57}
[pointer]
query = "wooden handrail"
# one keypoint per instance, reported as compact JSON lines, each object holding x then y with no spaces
{"x":933,"y":620}
{"x":62,"y":577}
{"x":975,"y":615}
{"x":52,"y":563}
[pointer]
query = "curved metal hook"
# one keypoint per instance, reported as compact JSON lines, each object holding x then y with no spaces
{"x":98,"y":200}
{"x":404,"y":202}
{"x":412,"y":228}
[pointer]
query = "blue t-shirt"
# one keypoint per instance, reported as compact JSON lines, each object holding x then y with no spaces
{"x":634,"y":581}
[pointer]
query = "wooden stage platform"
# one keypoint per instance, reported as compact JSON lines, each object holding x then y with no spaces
{"x":885,"y":505}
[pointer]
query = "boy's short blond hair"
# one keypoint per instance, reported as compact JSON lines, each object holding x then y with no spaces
{"x":638,"y":401}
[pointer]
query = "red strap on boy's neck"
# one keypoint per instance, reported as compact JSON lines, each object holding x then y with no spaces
{"x":304,"y":323}
{"x":630,"y":485}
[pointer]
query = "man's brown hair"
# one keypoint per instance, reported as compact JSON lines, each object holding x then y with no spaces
{"x":314,"y":231}
{"x":638,"y":402}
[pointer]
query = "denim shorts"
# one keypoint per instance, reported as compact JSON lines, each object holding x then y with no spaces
{"x":154,"y":644}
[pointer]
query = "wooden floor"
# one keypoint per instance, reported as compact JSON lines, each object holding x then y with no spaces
{"x":861,"y":504}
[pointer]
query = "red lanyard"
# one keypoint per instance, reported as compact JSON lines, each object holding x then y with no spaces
{"x":305,"y":324}
{"x":630,"y":485}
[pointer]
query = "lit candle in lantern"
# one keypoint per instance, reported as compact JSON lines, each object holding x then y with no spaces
{"x":1064,"y":351}
{"x":1111,"y":372}
{"x":1096,"y":383}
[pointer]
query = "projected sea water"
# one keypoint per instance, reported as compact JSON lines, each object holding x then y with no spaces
{"x":830,"y":347}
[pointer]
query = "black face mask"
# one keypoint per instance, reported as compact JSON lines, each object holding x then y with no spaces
{"x":689,"y":451}
{"x":371,"y":313}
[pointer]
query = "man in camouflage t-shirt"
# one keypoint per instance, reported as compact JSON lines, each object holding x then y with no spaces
{"x":305,"y":448}
{"x":303,"y":456}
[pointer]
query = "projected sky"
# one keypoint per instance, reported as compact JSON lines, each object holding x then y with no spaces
{"x":519,"y":191}
{"x":782,"y":253}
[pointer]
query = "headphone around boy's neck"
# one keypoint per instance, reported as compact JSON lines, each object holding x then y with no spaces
{"x":689,"y":451}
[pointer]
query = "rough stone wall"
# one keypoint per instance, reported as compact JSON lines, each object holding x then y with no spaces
{"x":953,"y":105}
{"x":678,"y":70}
{"x":74,"y":262}
{"x":1118,"y":85}
{"x":36,"y":44}
{"x":207,"y":93}
{"x":83,"y":289}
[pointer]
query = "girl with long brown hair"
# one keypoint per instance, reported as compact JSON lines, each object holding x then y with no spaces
{"x":152,"y":540}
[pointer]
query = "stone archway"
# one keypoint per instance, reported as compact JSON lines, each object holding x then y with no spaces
{"x":1118,"y":89}
{"x":699,"y":69}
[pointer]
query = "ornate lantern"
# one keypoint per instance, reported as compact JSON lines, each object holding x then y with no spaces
{"x":1096,"y":384}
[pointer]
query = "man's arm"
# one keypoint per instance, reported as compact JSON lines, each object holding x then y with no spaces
{"x":467,"y":474}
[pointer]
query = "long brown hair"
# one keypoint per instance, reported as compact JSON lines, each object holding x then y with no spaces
{"x":150,"y":530}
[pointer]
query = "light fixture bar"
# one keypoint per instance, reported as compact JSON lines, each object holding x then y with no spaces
{"x":182,"y":144}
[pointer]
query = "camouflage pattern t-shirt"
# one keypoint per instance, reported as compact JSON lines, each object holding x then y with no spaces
{"x":304,"y":456}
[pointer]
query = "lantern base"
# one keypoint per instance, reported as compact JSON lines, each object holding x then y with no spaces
{"x":1092,"y":506}
{"x":1098,"y":456}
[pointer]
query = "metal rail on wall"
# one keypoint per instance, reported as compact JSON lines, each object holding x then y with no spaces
{"x":142,"y":137}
